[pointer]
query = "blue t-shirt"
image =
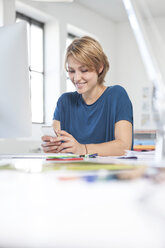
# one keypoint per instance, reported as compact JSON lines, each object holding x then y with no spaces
{"x":94,"y":123}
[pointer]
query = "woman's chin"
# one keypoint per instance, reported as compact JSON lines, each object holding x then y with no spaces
{"x":81,"y":89}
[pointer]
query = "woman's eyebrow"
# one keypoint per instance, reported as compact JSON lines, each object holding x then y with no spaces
{"x":80,"y":67}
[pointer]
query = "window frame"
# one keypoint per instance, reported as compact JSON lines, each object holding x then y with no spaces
{"x":40,"y":24}
{"x":70,"y":36}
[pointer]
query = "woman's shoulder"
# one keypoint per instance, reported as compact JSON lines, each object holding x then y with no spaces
{"x":116,"y":88}
{"x":69,"y":96}
{"x":116,"y":91}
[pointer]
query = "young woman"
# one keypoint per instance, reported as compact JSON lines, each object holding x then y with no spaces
{"x":94,"y":118}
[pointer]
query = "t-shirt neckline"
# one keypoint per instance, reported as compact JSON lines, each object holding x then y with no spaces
{"x":99,"y":99}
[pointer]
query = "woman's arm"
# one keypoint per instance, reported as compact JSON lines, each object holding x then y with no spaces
{"x":117,"y":147}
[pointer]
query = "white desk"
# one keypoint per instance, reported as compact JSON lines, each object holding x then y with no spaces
{"x":38,"y":210}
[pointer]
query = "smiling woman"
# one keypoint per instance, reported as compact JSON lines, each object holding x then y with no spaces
{"x":94,"y":118}
{"x":84,"y":79}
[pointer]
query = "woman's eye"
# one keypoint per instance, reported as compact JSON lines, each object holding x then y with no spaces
{"x":84,"y":70}
{"x":71,"y":71}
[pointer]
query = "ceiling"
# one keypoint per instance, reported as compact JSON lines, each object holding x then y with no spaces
{"x":114,"y":9}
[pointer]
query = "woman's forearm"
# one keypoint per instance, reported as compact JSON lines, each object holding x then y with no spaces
{"x":111,"y":148}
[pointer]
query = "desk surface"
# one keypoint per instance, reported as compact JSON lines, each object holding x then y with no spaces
{"x":38,"y":210}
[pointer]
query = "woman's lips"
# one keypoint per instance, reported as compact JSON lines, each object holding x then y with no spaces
{"x":80,"y":85}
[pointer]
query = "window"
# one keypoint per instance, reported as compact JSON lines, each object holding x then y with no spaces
{"x":69,"y":85}
{"x":36,"y":65}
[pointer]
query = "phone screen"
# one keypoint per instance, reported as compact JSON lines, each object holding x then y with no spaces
{"x":48,"y":131}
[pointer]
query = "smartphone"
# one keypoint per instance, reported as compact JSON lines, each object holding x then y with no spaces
{"x":48,"y":131}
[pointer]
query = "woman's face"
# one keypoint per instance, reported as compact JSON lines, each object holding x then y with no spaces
{"x":84,"y":79}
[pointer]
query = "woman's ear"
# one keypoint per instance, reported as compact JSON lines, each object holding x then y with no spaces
{"x":101,"y":69}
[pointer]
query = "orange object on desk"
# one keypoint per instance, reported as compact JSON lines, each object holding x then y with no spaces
{"x":144,"y":147}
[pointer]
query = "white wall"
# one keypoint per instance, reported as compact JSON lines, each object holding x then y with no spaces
{"x":130,"y":70}
{"x":7,"y":12}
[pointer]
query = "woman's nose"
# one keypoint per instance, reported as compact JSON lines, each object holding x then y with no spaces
{"x":77,"y":77}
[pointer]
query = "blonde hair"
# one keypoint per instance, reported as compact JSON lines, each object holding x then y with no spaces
{"x":89,"y":52}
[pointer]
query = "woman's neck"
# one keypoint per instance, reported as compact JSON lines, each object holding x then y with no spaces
{"x":91,"y":97}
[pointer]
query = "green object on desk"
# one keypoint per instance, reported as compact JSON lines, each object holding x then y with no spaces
{"x":87,"y":166}
{"x":62,"y":155}
{"x":7,"y":167}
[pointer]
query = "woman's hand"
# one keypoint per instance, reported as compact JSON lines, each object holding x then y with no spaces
{"x":65,"y":142}
{"x":49,"y":145}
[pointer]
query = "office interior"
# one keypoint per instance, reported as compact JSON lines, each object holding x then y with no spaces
{"x":113,"y":31}
{"x":43,"y":206}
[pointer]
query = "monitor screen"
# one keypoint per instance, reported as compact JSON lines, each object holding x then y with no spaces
{"x":15,"y":107}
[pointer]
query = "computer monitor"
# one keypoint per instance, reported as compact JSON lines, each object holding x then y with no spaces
{"x":15,"y":107}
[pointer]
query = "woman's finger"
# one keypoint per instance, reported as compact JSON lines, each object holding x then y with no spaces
{"x":64,"y":133}
{"x":61,"y":138}
{"x":50,"y":149}
{"x":46,"y":138}
{"x":53,"y":151}
{"x":67,"y":150}
{"x":47,"y":144}
{"x":64,"y":145}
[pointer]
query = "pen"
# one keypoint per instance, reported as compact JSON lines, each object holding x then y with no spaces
{"x":89,"y":155}
{"x":133,"y":157}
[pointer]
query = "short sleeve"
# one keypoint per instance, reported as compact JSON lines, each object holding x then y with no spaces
{"x":124,"y":110}
{"x":56,"y":115}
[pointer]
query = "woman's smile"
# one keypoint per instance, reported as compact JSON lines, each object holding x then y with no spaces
{"x":80,"y":85}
